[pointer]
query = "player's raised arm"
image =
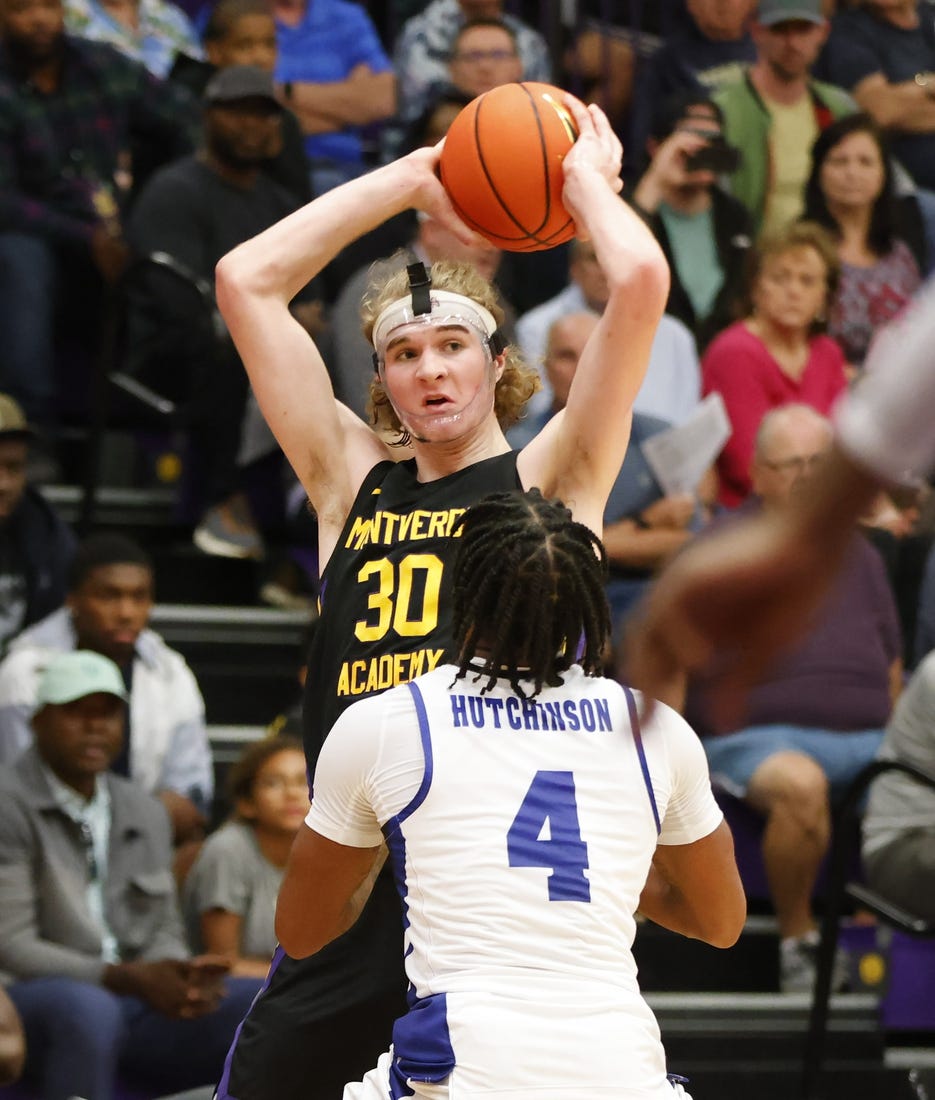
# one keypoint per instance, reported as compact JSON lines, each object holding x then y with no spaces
{"x":329,"y":451}
{"x":579,"y":455}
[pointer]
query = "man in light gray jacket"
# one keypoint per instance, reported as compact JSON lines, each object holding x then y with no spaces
{"x":91,"y":944}
{"x":165,"y":747}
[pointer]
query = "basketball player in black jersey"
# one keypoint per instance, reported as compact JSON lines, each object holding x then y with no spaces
{"x":446,"y":385}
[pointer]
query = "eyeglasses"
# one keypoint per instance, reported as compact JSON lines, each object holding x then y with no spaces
{"x":797,"y":465}
{"x":474,"y":57}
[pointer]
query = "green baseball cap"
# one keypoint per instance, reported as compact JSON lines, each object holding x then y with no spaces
{"x":771,"y":12}
{"x":74,"y":675}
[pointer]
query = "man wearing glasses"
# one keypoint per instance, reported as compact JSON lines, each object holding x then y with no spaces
{"x":817,"y":718}
{"x":484,"y":56}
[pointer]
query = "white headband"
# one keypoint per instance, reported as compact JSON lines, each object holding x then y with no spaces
{"x":447,"y":307}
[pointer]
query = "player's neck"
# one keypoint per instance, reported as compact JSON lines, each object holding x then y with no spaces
{"x":771,"y":86}
{"x":438,"y":460}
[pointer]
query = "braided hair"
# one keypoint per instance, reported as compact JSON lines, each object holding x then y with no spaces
{"x":529,"y":597}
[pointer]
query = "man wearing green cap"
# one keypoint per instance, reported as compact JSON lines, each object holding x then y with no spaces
{"x":775,"y":112}
{"x":91,"y":944}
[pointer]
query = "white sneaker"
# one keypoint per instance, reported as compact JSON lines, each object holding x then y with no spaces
{"x":798,"y":957}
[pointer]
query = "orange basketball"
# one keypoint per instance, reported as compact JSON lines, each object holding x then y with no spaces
{"x":502,"y":166}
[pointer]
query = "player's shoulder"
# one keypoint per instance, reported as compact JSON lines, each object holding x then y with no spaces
{"x":665,"y":721}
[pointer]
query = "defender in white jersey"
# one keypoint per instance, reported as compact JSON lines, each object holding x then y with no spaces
{"x":527,"y":818}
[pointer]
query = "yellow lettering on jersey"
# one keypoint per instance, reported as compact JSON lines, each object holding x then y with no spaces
{"x":390,"y":520}
{"x":433,"y":656}
{"x":437,"y":521}
{"x":361,"y":533}
{"x":419,"y":524}
{"x":385,"y":671}
{"x":389,"y":528}
{"x":405,"y":524}
{"x":454,"y":518}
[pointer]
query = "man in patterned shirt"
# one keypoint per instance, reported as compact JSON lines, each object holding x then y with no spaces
{"x":70,"y":112}
{"x":425,"y":44}
{"x":153,"y":32}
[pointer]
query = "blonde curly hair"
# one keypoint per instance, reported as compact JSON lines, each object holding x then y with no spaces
{"x":517,"y":383}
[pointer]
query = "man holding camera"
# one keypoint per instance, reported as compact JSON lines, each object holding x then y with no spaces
{"x":704,"y":232}
{"x":777,"y":110}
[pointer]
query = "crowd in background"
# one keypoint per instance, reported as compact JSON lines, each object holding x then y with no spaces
{"x":783,"y":154}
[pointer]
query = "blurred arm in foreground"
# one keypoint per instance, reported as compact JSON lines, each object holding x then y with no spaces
{"x":745,"y":594}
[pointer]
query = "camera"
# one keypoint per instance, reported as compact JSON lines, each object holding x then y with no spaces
{"x":716,"y":156}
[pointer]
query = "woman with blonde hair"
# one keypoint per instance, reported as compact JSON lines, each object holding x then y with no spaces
{"x":778,"y":353}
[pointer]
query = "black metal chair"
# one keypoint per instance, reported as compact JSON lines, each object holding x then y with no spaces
{"x":838,"y":888}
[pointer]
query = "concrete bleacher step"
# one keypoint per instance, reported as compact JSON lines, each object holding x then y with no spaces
{"x":670,"y":962}
{"x":183,"y":574}
{"x":734,"y":1046}
{"x":245,"y":659}
{"x":116,"y":506}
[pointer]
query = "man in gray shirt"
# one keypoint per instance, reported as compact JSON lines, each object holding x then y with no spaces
{"x":899,"y":825}
{"x":91,"y":944}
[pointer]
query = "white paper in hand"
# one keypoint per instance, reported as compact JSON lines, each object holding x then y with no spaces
{"x":680,"y":455}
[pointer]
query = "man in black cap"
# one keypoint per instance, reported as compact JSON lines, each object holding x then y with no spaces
{"x":193,"y":211}
{"x":36,"y":545}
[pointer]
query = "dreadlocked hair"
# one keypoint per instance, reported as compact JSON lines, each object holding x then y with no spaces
{"x":528,"y":591}
{"x":389,"y":281}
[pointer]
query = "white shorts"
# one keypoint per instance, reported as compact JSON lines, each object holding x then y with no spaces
{"x":376,"y":1086}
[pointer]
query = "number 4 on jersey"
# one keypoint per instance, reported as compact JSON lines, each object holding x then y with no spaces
{"x":550,"y":808}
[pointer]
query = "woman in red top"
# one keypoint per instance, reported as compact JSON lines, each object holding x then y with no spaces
{"x":777,"y":353}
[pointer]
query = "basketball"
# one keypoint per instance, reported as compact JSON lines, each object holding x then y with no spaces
{"x":502,"y":166}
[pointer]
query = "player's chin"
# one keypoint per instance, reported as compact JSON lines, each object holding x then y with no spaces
{"x":441,"y":427}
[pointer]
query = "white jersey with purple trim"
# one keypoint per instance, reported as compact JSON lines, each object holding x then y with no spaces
{"x":521,"y":833}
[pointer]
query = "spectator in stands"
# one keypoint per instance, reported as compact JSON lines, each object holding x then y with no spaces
{"x":432,"y":124}
{"x":850,"y":192}
{"x":36,"y":545}
{"x":775,"y":112}
{"x":153,"y":32}
{"x":91,"y":940}
{"x":335,"y":75}
{"x":67,"y":110}
{"x":351,"y":362}
{"x":899,"y":824}
{"x":165,"y":744}
{"x":706,"y":51}
{"x":243,"y":32}
{"x":777,"y":354}
{"x":229,"y":899}
{"x":609,"y":46}
{"x":484,"y":55}
{"x":195,"y":210}
{"x":12,"y":1041}
{"x":672,"y":385}
{"x":395,"y":233}
{"x":425,"y":45}
{"x":883,"y":52}
{"x":817,"y":717}
{"x":643,"y":526}
{"x":704,"y":232}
